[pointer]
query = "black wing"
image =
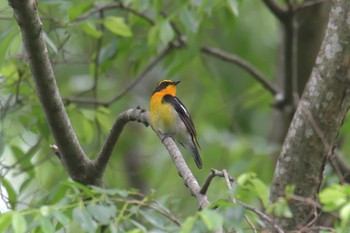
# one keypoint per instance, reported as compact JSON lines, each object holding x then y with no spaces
{"x":183,"y":113}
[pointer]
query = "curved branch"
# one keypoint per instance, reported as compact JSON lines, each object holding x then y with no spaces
{"x":142,"y":116}
{"x":73,"y":156}
{"x":137,"y":114}
{"x":244,"y":65}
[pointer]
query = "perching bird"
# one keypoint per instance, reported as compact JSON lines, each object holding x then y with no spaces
{"x":169,"y":117}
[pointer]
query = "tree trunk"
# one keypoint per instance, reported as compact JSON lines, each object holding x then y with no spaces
{"x":310,"y":24}
{"x":316,"y":123}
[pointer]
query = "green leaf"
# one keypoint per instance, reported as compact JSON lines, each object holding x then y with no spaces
{"x":233,"y":6}
{"x":101,"y":213}
{"x":19,"y":223}
{"x":280,"y":208}
{"x":90,"y":29}
{"x":138,"y":225}
{"x":78,"y":9}
{"x":117,"y":26}
{"x":104,"y":120}
{"x":222,"y":203}
{"x":332,"y":197}
{"x":211,"y":219}
{"x":345,"y":213}
{"x":5,"y":220}
{"x":261,"y":190}
{"x":84,"y":219}
{"x":188,"y":20}
{"x":187,"y":226}
{"x":46,"y":225}
{"x":6,"y":39}
{"x":11,"y":193}
{"x":245,"y":177}
{"x":61,"y":217}
{"x":153,"y":36}
{"x":9,"y":71}
{"x":166,"y":32}
{"x":289,"y":190}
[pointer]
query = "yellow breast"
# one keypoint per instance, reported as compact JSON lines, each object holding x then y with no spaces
{"x":162,"y":115}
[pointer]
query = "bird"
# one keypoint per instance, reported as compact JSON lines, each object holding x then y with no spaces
{"x":169,"y":117}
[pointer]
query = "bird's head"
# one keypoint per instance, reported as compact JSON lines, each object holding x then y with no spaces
{"x":166,"y":87}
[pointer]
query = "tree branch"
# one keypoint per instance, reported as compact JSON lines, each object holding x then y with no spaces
{"x":244,"y":65}
{"x":321,"y":112}
{"x":184,"y":172}
{"x":73,"y":156}
{"x":141,"y":76}
{"x":276,"y":9}
{"x":214,"y":173}
{"x":179,"y":43}
{"x":105,"y":153}
{"x":142,"y":116}
{"x":113,"y":5}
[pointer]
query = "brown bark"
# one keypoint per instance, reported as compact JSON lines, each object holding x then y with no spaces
{"x":317,"y":120}
{"x":73,"y":156}
{"x":302,"y":35}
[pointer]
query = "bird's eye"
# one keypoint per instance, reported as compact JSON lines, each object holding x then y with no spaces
{"x":164,"y":85}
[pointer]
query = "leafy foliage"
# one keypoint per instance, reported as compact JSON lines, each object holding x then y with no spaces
{"x":97,"y":49}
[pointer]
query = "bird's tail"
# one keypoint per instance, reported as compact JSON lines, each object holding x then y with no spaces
{"x":196,"y":156}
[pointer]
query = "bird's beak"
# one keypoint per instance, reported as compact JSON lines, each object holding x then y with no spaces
{"x":176,"y":82}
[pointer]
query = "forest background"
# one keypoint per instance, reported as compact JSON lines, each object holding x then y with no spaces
{"x":243,"y":67}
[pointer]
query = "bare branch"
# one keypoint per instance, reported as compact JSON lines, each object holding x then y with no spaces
{"x":317,"y":120}
{"x":244,"y":65}
{"x":142,"y":116}
{"x":263,"y":216}
{"x":184,"y":172}
{"x":340,"y":166}
{"x":152,"y":206}
{"x":214,"y":173}
{"x":73,"y":156}
{"x":113,"y":5}
{"x":137,"y":114}
{"x":143,"y":74}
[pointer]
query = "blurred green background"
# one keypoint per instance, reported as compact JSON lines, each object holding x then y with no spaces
{"x":231,"y":110}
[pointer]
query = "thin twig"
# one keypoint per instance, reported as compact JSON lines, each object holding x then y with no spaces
{"x":179,"y":43}
{"x":113,"y":5}
{"x":335,"y":165}
{"x":149,"y":67}
{"x":262,"y":215}
{"x":142,"y":75}
{"x":250,"y":223}
{"x":306,"y":200}
{"x":341,"y":167}
{"x":263,"y":80}
{"x":229,"y":185}
{"x":211,"y":176}
{"x":151,"y":206}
